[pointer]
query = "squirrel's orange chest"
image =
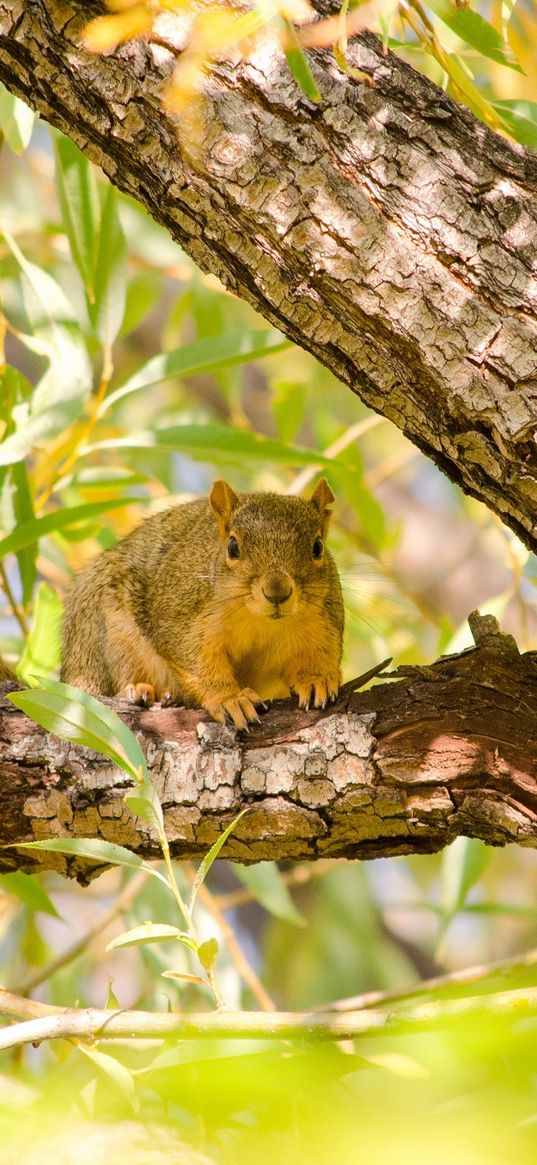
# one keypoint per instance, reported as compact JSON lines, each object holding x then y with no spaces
{"x":261,"y":650}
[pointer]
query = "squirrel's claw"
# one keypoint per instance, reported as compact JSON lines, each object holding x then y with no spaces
{"x":317,"y":692}
{"x":240,"y":708}
{"x":142,"y":694}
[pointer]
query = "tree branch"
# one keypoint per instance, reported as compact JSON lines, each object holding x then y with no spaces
{"x":93,"y":1023}
{"x":401,"y":768}
{"x":384,"y":230}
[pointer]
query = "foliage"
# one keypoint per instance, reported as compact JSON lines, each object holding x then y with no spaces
{"x":459,"y":45}
{"x":128,"y":380}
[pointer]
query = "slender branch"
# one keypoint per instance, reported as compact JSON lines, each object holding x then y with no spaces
{"x":299,"y":875}
{"x":462,"y":978}
{"x":237,"y":955}
{"x":96,"y":930}
{"x":92,"y":1023}
{"x":16,"y":608}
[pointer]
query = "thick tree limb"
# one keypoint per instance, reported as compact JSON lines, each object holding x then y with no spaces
{"x":402,"y":768}
{"x":385,"y":230}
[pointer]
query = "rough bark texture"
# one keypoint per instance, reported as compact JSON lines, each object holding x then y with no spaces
{"x":385,"y":230}
{"x":402,"y":768}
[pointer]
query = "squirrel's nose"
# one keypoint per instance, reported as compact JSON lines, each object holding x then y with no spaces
{"x":277,"y":588}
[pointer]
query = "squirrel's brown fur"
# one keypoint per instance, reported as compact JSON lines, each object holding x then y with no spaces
{"x":219,"y":603}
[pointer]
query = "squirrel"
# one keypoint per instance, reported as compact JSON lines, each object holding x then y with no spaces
{"x":221,"y":603}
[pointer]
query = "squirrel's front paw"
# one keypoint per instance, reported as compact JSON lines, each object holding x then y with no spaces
{"x":143,"y":694}
{"x":241,"y":708}
{"x":317,"y":691}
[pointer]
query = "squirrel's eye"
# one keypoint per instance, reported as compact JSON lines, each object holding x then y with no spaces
{"x":318,"y":547}
{"x":233,"y":548}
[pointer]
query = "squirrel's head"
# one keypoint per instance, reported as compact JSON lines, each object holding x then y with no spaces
{"x":274,"y":553}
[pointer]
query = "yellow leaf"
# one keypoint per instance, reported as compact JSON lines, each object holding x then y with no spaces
{"x":106,"y":32}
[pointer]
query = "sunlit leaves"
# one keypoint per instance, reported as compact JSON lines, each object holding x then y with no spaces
{"x":16,"y":121}
{"x":105,"y":853}
{"x":520,"y":119}
{"x":202,"y":356}
{"x":210,"y":33}
{"x":297,"y":61}
{"x":214,"y":442}
{"x":211,"y":857}
{"x":268,"y":887}
{"x":41,"y":654}
{"x":80,"y":205}
{"x":28,"y":891}
{"x":97,"y":242}
{"x":474,"y":30}
{"x":61,"y":391}
{"x":149,"y":932}
{"x":110,"y":273}
{"x":28,"y":533}
{"x":106,"y":32}
{"x":23,"y":512}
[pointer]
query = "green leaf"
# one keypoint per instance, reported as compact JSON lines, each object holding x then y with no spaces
{"x":220,"y":443}
{"x":209,"y":858}
{"x":76,"y":716}
{"x":463,"y":863}
{"x":111,"y":1002}
{"x":150,"y":932}
{"x":62,"y":391}
{"x":28,"y":890}
{"x":474,"y":30}
{"x":115,"y":1071}
{"x":296,"y":60}
{"x":106,"y":853}
{"x":185,"y":977}
{"x":143,"y":292}
{"x":202,"y":356}
{"x":33,"y":432}
{"x":30,"y":532}
{"x":288,"y":405}
{"x":24,"y":512}
{"x":98,"y":477}
{"x":41,"y":654}
{"x":268,"y":887}
{"x":520,"y":119}
{"x":15,"y":388}
{"x":110,"y":273}
{"x":144,"y":802}
{"x":78,"y":196}
{"x":208,"y":953}
{"x":16,"y":121}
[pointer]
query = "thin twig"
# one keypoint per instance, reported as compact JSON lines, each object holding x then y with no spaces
{"x":103,"y":920}
{"x":15,"y":606}
{"x":300,"y":875}
{"x":85,"y":429}
{"x":244,"y":968}
{"x":347,"y":438}
{"x":466,"y":976}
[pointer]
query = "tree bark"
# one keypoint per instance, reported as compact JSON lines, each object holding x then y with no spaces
{"x":385,"y":230}
{"x":401,"y":768}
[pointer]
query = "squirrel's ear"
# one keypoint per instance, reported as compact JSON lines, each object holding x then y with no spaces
{"x":321,"y":498}
{"x":223,"y":501}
